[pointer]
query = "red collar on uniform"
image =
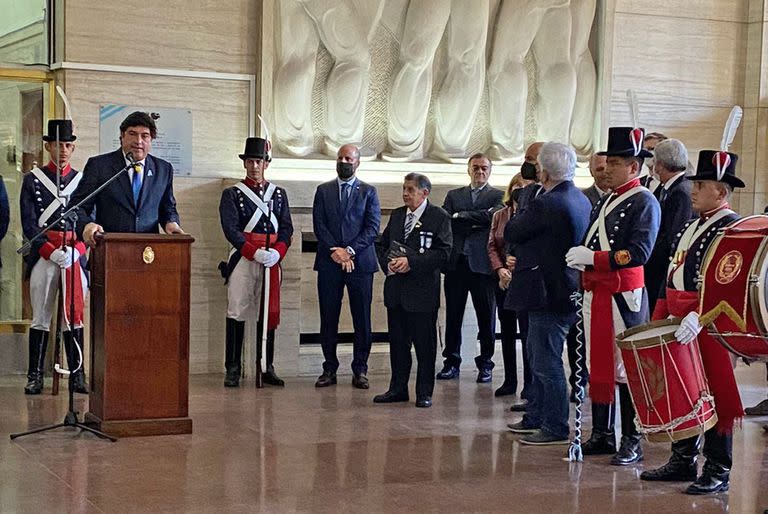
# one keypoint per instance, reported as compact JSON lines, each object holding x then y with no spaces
{"x":255,"y":185}
{"x":64,"y":171}
{"x":706,"y":215}
{"x":626,"y":186}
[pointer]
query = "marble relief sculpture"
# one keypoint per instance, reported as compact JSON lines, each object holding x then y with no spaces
{"x":344,"y":27}
{"x":466,"y":24}
{"x":436,"y":76}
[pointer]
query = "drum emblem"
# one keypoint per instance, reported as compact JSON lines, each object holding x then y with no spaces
{"x":728,"y":267}
{"x":654,"y":378}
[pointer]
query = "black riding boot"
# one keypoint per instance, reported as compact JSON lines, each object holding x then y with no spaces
{"x":630,"y":450}
{"x":269,"y":376}
{"x":38,"y":343}
{"x":73,"y":360}
{"x":602,"y":441}
{"x":681,"y":466}
{"x":234,"y":352}
{"x":718,"y":450}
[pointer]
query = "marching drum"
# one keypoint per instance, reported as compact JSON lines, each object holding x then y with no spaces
{"x":734,"y":299}
{"x":667,"y":382}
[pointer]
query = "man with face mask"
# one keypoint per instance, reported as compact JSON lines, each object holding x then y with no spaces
{"x":469,"y":268}
{"x":253,"y":212}
{"x":530,"y":171}
{"x":346,"y":218}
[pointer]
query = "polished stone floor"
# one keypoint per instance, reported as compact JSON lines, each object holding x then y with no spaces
{"x":332,"y":450}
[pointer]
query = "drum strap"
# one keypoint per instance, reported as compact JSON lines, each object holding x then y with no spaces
{"x":675,"y":272}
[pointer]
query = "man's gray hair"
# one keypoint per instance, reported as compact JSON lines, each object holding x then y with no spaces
{"x":672,"y":154}
{"x":421,"y":180}
{"x":558,"y":160}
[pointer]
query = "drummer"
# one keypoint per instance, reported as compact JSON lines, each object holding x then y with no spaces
{"x":714,"y":182}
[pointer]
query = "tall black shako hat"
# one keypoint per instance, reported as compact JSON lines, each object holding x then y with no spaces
{"x":64,"y":128}
{"x":256,"y":148}
{"x":720,"y":165}
{"x":626,"y":142}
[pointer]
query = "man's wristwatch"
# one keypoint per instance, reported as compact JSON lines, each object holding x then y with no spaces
{"x":350,"y":251}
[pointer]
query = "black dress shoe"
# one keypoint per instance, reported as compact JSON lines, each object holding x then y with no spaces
{"x":713,"y":479}
{"x":484,"y":376}
{"x":676,"y":470}
{"x":521,"y":427}
{"x":390,"y":397}
{"x":505,"y":390}
{"x":424,"y":402}
{"x":34,"y":385}
{"x":271,"y":378}
{"x":326,"y":379}
{"x":599,"y":444}
{"x":519,"y":407}
{"x":360,"y":382}
{"x":629,"y":452}
{"x":761,"y":409}
{"x":232,"y":379}
{"x":448,"y":373}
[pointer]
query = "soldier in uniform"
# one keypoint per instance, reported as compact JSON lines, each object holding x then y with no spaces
{"x":710,"y":195}
{"x":252,"y":211}
{"x":42,"y":202}
{"x":618,"y":243}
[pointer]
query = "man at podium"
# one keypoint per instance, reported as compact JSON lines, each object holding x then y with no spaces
{"x":141,"y":199}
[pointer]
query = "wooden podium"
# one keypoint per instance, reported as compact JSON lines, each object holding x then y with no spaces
{"x":140,"y":335}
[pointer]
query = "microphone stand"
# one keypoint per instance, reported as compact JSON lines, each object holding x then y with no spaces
{"x":70,"y":218}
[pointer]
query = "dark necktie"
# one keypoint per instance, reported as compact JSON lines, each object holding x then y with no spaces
{"x":344,"y":196}
{"x":136,"y":183}
{"x":474,"y":193}
{"x":662,"y":194}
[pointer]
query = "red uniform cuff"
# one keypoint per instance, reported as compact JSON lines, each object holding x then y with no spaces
{"x":281,"y":248}
{"x":602,"y":261}
{"x":46,"y":250}
{"x":248,"y":250}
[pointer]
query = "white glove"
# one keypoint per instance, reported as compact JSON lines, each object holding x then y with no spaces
{"x":689,"y":328}
{"x":580,"y":256}
{"x":273,"y":256}
{"x":64,"y":258}
{"x":261,"y":256}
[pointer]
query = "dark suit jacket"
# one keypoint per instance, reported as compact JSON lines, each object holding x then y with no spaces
{"x":113,"y":208}
{"x":527,"y":194}
{"x":419,"y":289}
{"x":472,"y":225}
{"x":356,"y":228}
{"x":676,"y":210}
{"x":592,"y":194}
{"x":542,"y":234}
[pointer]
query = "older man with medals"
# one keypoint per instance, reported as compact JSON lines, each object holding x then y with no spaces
{"x":256,"y":221}
{"x":618,"y":243}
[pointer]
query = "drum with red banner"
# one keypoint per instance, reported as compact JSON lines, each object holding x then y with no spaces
{"x":667,"y":382}
{"x":733,"y":298}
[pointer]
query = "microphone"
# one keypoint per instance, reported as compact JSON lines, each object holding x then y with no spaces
{"x":130,"y":158}
{"x":136,"y":165}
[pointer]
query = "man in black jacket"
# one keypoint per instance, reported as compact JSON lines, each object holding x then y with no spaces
{"x":469,"y":269}
{"x":674,"y":194}
{"x":414,"y":246}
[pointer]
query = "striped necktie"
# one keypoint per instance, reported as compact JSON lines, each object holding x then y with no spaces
{"x":408,"y":224}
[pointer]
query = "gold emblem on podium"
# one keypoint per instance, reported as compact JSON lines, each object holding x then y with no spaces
{"x":148,"y":256}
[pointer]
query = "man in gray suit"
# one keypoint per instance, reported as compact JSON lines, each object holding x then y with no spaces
{"x":469,"y":269}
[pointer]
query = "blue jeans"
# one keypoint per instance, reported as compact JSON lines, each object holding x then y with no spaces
{"x":548,"y":405}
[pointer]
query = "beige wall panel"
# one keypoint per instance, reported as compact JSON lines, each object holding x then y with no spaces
{"x":219,"y":112}
{"x":207,"y":35}
{"x":719,"y":10}
{"x":760,"y":148}
{"x":757,"y":10}
{"x":688,"y":62}
{"x":753,"y":86}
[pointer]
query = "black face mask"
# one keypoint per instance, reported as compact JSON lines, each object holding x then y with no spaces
{"x":344,"y":170}
{"x":528,"y":171}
